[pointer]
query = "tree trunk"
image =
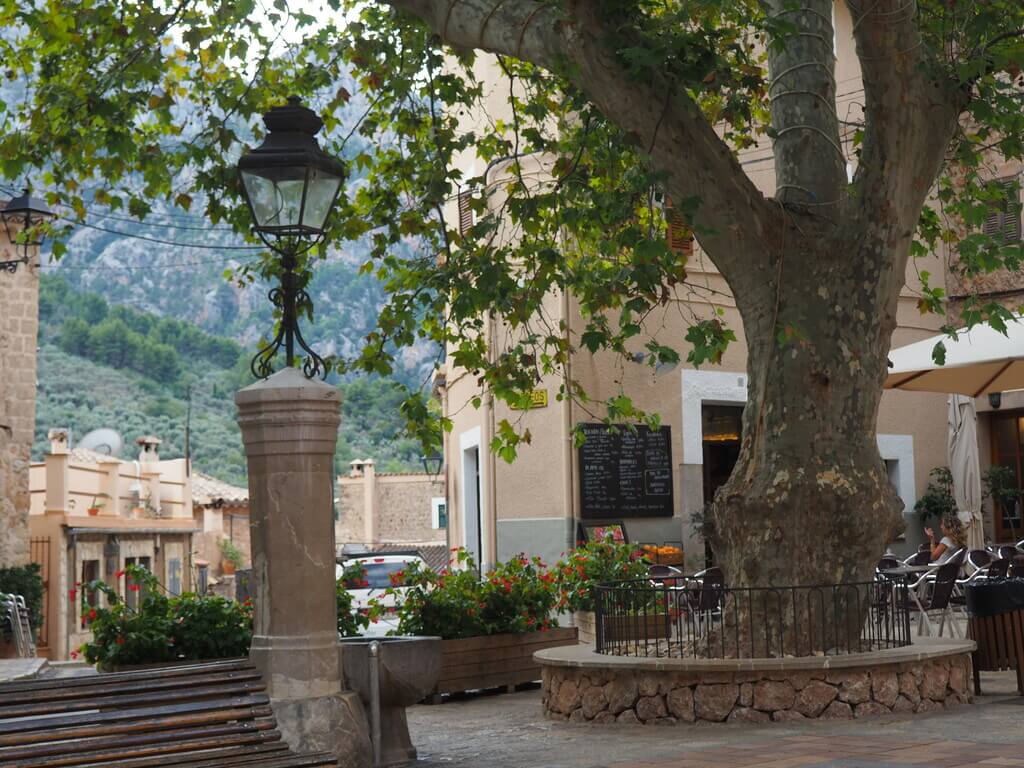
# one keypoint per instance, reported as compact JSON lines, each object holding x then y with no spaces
{"x":810,"y":487}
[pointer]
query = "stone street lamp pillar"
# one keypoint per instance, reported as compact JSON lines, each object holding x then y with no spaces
{"x":289,"y":427}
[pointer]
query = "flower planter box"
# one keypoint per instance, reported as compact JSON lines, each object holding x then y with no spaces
{"x":494,"y":661}
{"x":654,"y":626}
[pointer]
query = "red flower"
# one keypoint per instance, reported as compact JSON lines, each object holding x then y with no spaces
{"x":92,"y":614}
{"x":74,"y":654}
{"x":133,"y":587}
{"x":72,"y":593}
{"x":118,"y":574}
{"x":119,"y":641}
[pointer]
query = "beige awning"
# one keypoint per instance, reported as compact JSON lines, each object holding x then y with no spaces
{"x":978,"y":361}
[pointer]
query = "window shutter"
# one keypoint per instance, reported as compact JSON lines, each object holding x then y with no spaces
{"x":465,"y":212}
{"x":1005,"y":217}
{"x":680,"y":237}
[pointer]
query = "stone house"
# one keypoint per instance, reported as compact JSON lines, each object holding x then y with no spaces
{"x":91,"y":516}
{"x":381,"y":510}
{"x":221,"y":511}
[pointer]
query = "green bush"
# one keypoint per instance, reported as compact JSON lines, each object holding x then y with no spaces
{"x":937,"y":501}
{"x":517,"y":596}
{"x":25,"y":580}
{"x":594,"y":563}
{"x":161,"y":628}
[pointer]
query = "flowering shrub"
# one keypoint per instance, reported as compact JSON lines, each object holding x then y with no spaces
{"x":162,"y":628}
{"x":517,"y":596}
{"x":352,"y":622}
{"x":595,"y":562}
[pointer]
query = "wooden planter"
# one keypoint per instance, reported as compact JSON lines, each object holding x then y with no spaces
{"x":494,"y":661}
{"x":655,"y":626}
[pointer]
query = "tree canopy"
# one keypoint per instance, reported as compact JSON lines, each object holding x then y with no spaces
{"x":623,"y":102}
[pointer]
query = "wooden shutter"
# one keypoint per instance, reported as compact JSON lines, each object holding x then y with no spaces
{"x":1005,"y":217}
{"x":680,"y":237}
{"x":465,"y":212}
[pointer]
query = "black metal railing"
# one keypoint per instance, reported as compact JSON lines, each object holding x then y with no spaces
{"x":684,"y":617}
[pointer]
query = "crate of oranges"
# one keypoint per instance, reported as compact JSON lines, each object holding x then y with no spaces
{"x":666,"y":554}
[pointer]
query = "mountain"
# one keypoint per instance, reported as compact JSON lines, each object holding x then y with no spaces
{"x":102,"y":364}
{"x":188,"y":283}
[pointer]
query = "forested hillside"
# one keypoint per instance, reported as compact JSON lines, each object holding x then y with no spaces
{"x":105,"y":365}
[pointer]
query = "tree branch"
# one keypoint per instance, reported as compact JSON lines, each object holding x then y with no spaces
{"x":734,"y":219}
{"x":910,"y":109}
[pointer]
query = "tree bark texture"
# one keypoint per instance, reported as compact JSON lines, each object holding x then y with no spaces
{"x":815,"y":271}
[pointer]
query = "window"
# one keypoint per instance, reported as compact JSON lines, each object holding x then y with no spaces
{"x":174,"y":575}
{"x":465,"y":212}
{"x":90,"y":572}
{"x":132,"y":596}
{"x":1005,"y":216}
{"x":438,"y":512}
{"x":679,"y":235}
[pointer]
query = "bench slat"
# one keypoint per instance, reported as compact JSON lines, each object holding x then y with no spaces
{"x":127,"y":740}
{"x":182,"y":745}
{"x":103,"y":687}
{"x":211,"y":757}
{"x":124,"y":700}
{"x":151,"y":673}
{"x":88,"y":718}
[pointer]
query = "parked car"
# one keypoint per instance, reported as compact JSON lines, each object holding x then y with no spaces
{"x":379,"y":573}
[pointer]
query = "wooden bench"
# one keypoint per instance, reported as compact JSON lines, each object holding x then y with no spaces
{"x":206,"y":715}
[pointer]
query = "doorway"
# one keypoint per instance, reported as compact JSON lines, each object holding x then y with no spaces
{"x":722,"y":430}
{"x":472,"y":509}
{"x":1007,"y":449}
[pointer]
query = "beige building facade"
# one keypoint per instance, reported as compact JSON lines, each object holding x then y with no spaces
{"x":19,"y":330}
{"x":221,"y":512}
{"x":534,"y":504}
{"x":375,"y":509}
{"x":91,"y":516}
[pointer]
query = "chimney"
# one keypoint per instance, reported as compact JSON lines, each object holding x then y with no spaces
{"x":370,"y":531}
{"x":149,"y":448}
{"x":58,"y":440}
{"x":356,"y":468}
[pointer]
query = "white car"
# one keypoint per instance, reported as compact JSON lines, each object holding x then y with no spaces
{"x":378,"y":573}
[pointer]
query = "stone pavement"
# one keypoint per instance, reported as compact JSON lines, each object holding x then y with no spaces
{"x":19,"y":669}
{"x":508,"y":731}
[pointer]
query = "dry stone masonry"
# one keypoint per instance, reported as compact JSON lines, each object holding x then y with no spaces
{"x":663,"y":697}
{"x":19,"y":326}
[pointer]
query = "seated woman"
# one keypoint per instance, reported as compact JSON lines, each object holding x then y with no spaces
{"x":953,"y":539}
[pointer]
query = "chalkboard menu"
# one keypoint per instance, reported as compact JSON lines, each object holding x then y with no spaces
{"x":625,"y":473}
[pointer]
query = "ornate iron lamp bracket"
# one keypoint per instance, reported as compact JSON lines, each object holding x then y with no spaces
{"x":288,"y":297}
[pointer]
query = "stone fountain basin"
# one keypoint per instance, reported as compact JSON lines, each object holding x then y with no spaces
{"x":409,"y":667}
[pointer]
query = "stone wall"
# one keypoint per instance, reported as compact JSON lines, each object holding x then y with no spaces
{"x":19,"y":327}
{"x":624,"y":696}
{"x":399,"y":505}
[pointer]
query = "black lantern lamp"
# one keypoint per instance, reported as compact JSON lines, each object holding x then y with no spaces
{"x":290,"y":185}
{"x":432,"y":464}
{"x":21,"y":217}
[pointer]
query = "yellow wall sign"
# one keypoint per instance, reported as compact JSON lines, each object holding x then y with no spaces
{"x":538,"y":399}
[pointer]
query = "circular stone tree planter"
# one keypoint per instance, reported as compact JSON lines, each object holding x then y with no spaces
{"x":583,"y":686}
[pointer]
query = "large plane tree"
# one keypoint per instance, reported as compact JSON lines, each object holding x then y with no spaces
{"x":624,"y":106}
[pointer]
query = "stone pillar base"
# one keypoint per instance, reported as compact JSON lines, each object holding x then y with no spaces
{"x":335,"y":724}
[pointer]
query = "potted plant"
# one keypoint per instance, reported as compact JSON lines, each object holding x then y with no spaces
{"x":490,"y":626}
{"x":587,"y":566}
{"x":95,"y":506}
{"x":231,"y":557}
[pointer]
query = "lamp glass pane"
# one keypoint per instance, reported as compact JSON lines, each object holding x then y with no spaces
{"x":322,"y":189}
{"x":275,"y":195}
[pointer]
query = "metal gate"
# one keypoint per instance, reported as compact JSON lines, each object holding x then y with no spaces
{"x":39,"y":552}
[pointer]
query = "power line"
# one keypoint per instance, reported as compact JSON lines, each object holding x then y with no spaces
{"x":59,"y":267}
{"x":158,"y":224}
{"x":161,"y":241}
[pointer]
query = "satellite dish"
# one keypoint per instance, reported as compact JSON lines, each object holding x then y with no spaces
{"x":103,"y":440}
